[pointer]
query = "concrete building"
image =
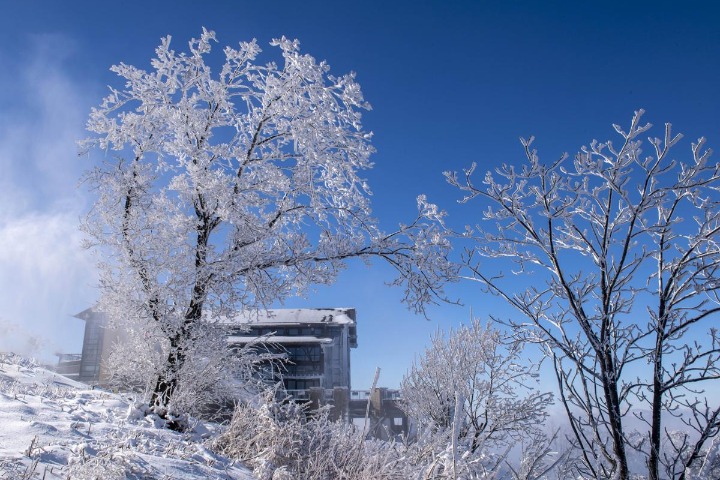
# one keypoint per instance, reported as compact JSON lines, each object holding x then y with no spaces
{"x":97,"y":342}
{"x":378,"y":412}
{"x":314,"y":343}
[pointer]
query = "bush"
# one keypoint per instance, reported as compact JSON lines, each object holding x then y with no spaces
{"x":281,"y":440}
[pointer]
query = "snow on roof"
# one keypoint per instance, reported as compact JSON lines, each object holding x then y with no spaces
{"x":277,"y":339}
{"x":285,"y":316}
{"x":276,"y":316}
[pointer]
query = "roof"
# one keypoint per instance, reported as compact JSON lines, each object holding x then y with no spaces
{"x":90,"y":313}
{"x":287,"y":316}
{"x":238,"y":339}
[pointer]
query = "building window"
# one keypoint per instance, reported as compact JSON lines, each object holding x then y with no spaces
{"x":304,"y":369}
{"x":301,"y":384}
{"x":304,"y":353}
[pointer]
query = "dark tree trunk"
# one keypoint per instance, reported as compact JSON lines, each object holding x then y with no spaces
{"x":167,"y":380}
{"x":656,"y":415}
{"x":612,"y":400}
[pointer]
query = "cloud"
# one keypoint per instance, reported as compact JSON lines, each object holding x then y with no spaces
{"x":45,"y":275}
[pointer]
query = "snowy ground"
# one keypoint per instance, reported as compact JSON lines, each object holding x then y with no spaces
{"x":54,"y":428}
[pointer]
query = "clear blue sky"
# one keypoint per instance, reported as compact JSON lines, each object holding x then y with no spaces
{"x":450,"y":82}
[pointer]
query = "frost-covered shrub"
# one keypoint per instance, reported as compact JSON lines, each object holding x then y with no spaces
{"x":431,"y":456}
{"x":710,"y":466}
{"x":102,"y":459}
{"x":484,"y":369}
{"x":279,"y":440}
{"x":98,"y":468}
{"x":472,"y":384}
{"x":136,"y":353}
{"x":211,"y":378}
{"x":214,"y":376}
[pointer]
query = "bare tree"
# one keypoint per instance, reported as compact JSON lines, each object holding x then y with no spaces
{"x":619,"y":254}
{"x":233,"y":190}
{"x":476,"y":364}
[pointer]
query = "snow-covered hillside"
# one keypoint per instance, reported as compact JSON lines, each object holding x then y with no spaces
{"x":54,"y":428}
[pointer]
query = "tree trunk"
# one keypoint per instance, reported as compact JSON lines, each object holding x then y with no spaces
{"x":167,"y":380}
{"x":656,"y":415}
{"x":614,"y":413}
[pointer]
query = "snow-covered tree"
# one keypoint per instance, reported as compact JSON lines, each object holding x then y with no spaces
{"x":478,"y":365}
{"x":615,"y":256}
{"x":231,"y":190}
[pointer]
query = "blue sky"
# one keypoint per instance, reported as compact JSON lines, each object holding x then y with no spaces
{"x":450,"y":83}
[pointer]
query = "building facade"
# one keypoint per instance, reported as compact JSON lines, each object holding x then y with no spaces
{"x":87,"y":367}
{"x":312,"y":346}
{"x":313,"y":343}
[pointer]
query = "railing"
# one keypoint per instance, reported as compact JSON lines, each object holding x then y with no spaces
{"x":385,"y":394}
{"x":305,"y":394}
{"x":309,"y":376}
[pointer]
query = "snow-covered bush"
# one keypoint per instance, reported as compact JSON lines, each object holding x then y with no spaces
{"x":478,"y":417}
{"x":212,"y":377}
{"x":279,"y":440}
{"x":482,"y":368}
{"x":99,"y":467}
{"x":136,"y":351}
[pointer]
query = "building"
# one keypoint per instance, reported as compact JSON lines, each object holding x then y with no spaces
{"x":68,"y":365}
{"x":86,"y":367}
{"x":314,"y":342}
{"x":379,"y":413}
